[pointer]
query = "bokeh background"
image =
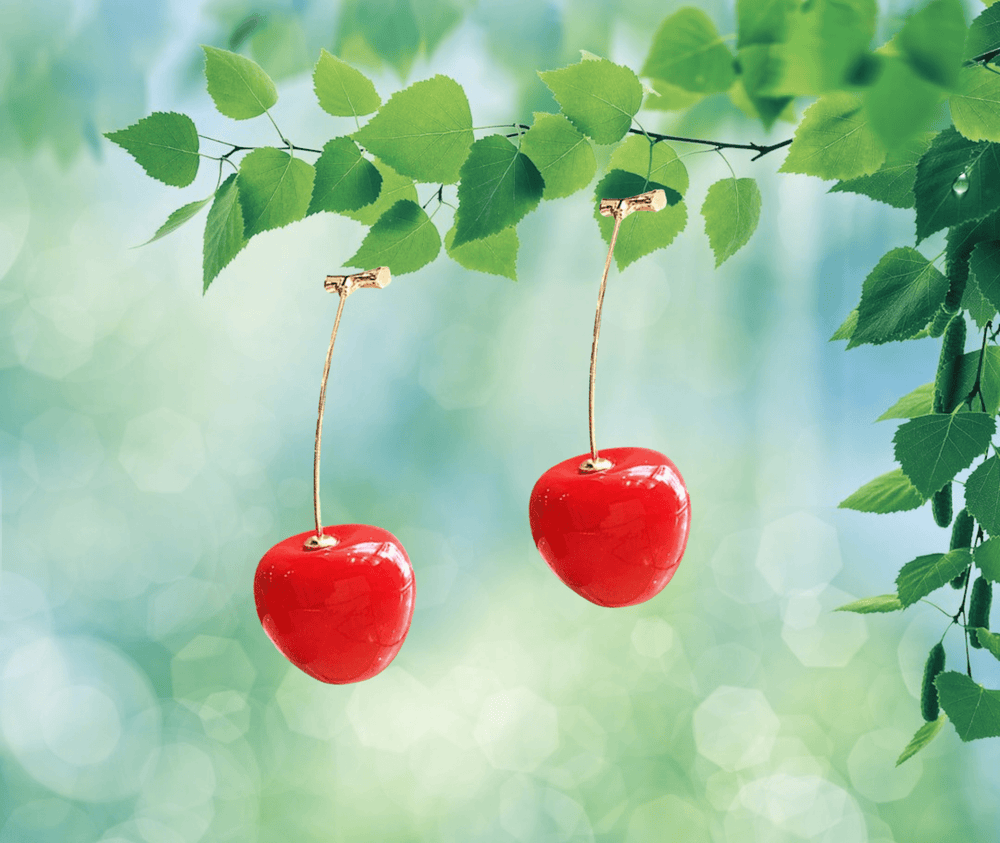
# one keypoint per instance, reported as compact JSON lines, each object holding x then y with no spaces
{"x":154,"y":442}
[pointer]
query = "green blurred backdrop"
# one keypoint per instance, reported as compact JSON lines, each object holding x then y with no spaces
{"x":155,"y":442}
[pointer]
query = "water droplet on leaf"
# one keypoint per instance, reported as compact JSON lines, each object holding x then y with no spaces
{"x":961,"y":184}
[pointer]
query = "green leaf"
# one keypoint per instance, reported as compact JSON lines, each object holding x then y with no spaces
{"x":893,"y":182}
{"x":982,"y":494}
{"x":847,"y":327}
{"x":976,"y":303}
{"x":987,"y":556}
{"x":899,"y":297}
{"x":345,"y":181}
{"x":989,"y":640}
{"x":662,"y":166}
{"x":933,"y":40}
{"x":827,"y":41}
{"x":731,"y":211}
{"x":763,"y":21}
{"x":961,"y":241}
{"x":238,"y":86}
{"x":341,"y":90}
{"x":275,"y":189}
{"x":385,"y":32}
{"x":950,"y":156}
{"x":984,"y":267}
{"x":404,"y":239}
{"x":688,"y":52}
{"x":974,"y":710}
{"x":223,"y":231}
{"x":868,"y":605}
{"x":933,"y":449}
{"x":641,"y":233}
{"x":178,"y":218}
{"x":990,"y":384}
{"x":635,"y":169}
{"x":760,"y":65}
{"x":423,"y":131}
{"x":984,"y":34}
{"x":890,"y":492}
{"x":901,"y":105}
{"x":975,"y":106}
{"x":667,"y":97}
{"x":599,"y":97}
{"x":495,"y":254}
{"x":562,"y":155}
{"x":499,"y":186}
{"x":928,"y":573}
{"x":165,"y":145}
{"x":834,"y":141}
{"x":920,"y":402}
{"x":925,"y":734}
{"x":394,"y":188}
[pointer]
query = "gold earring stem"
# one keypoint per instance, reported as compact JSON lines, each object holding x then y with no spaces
{"x":343,"y":285}
{"x":654,"y":200}
{"x":595,"y":463}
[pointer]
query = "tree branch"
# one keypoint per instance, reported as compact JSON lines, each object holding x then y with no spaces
{"x":760,"y":149}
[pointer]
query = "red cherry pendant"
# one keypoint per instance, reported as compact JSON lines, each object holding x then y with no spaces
{"x":339,"y":612}
{"x":614,"y":536}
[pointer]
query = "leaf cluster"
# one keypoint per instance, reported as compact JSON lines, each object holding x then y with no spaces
{"x":946,"y":437}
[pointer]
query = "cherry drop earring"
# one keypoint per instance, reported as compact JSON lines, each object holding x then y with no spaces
{"x":337,"y":602}
{"x":612,"y":525}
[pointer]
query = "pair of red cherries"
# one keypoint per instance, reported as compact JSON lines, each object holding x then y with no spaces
{"x":338,"y":601}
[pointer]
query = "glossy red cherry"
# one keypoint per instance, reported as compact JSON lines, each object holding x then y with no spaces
{"x":614,"y":536}
{"x":339,"y":612}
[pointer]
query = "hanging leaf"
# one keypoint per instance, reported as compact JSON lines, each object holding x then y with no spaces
{"x":731,"y":211}
{"x":641,"y":233}
{"x":973,"y":709}
{"x":423,"y":131}
{"x":178,"y":218}
{"x":562,"y":155}
{"x":933,"y":449}
{"x":893,"y":182}
{"x":899,"y":297}
{"x":928,"y":573}
{"x":975,"y":104}
{"x":919,"y":402}
{"x":394,"y":189}
{"x":341,"y":90}
{"x":951,"y":161}
{"x":987,"y":556}
{"x":599,"y":97}
{"x":495,"y":254}
{"x":345,"y":180}
{"x":275,"y":189}
{"x":834,"y":141}
{"x":164,"y":144}
{"x":890,"y":492}
{"x":925,"y":734}
{"x":223,"y":231}
{"x":870,"y":605}
{"x":404,"y":239}
{"x":688,"y":52}
{"x":499,"y":186}
{"x":933,"y":40}
{"x":982,"y":494}
{"x":238,"y":86}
